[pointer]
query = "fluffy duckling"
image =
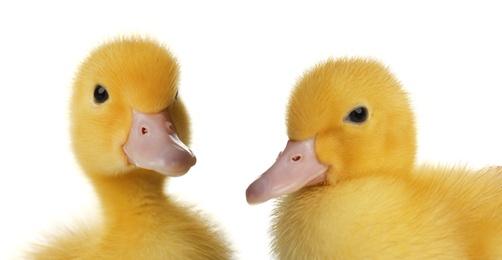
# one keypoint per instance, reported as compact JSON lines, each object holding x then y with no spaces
{"x":130,"y":129}
{"x":354,"y":189}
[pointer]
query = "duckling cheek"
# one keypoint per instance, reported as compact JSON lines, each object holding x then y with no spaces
{"x":153,"y":144}
{"x":295,"y":168}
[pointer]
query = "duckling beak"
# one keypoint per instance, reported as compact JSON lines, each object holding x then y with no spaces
{"x":153,"y":144}
{"x":296,"y":167}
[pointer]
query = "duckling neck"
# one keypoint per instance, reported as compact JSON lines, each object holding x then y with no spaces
{"x":129,"y":197}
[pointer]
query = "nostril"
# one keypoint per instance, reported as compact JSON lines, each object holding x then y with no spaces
{"x":296,"y":158}
{"x":144,"y":131}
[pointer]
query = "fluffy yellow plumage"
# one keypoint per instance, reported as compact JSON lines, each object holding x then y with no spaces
{"x":350,"y":124}
{"x":125,"y":93}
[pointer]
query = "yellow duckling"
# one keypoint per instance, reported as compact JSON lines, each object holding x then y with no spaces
{"x":129,"y":130}
{"x":354,"y":189}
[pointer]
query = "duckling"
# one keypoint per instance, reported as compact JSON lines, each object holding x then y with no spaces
{"x":352,"y":187}
{"x":130,"y":130}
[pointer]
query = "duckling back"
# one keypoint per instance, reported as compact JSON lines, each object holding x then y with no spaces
{"x":476,"y":197}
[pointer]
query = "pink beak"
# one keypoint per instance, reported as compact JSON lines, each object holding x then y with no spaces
{"x":294,"y":169}
{"x":153,"y":144}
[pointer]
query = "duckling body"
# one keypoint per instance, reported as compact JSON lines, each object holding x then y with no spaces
{"x":140,"y":223}
{"x":129,"y":130}
{"x":353,"y":189}
{"x":389,"y":217}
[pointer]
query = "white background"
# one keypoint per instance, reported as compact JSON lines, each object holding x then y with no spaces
{"x":239,"y":62}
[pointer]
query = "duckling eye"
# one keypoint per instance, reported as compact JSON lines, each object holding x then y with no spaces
{"x":176,"y":97}
{"x":100,"y":94}
{"x":358,"y":115}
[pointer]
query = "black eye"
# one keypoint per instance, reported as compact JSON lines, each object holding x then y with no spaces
{"x":100,"y":94}
{"x":176,"y":97}
{"x":358,"y":115}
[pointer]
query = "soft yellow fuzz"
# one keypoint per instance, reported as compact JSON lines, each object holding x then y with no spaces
{"x":139,"y":220}
{"x":376,"y":203}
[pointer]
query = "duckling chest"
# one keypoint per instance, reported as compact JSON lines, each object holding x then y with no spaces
{"x":165,"y":233}
{"x":307,"y":223}
{"x":360,"y":220}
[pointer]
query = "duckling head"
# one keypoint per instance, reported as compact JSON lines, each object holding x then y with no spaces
{"x":126,"y":112}
{"x":346,"y":118}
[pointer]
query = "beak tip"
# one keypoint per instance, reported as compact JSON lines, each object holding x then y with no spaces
{"x":254,"y":194}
